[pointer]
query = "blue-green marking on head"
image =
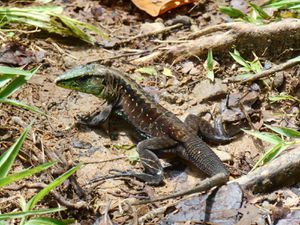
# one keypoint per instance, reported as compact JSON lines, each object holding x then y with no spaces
{"x":84,"y":78}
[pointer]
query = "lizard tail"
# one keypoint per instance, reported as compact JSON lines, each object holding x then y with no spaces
{"x":203,"y":157}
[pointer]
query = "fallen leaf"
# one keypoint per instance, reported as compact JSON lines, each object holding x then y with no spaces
{"x":158,"y":7}
{"x":15,"y":54}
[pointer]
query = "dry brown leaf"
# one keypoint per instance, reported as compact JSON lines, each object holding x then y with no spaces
{"x":158,"y":7}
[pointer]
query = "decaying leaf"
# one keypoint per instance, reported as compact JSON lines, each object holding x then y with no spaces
{"x":158,"y":7}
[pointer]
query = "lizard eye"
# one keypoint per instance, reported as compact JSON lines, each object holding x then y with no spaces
{"x":82,"y":79}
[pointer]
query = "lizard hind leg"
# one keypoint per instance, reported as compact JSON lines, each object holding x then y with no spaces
{"x":204,"y":129}
{"x":148,"y":151}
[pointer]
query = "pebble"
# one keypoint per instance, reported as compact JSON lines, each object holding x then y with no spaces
{"x":151,"y":27}
{"x":206,"y":90}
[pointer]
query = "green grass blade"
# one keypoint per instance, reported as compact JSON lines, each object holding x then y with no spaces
{"x":76,"y":31}
{"x":21,"y":104}
{"x":58,"y":181}
{"x":284,"y":4}
{"x":239,"y":59}
{"x":4,"y":79}
{"x":7,"y":158}
{"x":15,"y":71}
{"x":265,"y":136}
{"x":12,"y":86}
{"x":296,"y":59}
{"x":45,"y":221}
{"x":35,"y":23}
{"x":25,"y":173}
{"x":14,"y":215}
{"x":287,"y":132}
{"x":210,"y":65}
{"x":16,"y":83}
{"x":260,"y":11}
{"x":84,"y":25}
{"x":232,"y":12}
{"x":270,"y":155}
{"x":151,"y":71}
{"x":49,"y":18}
{"x":10,"y":14}
{"x":295,"y":7}
{"x":282,"y":96}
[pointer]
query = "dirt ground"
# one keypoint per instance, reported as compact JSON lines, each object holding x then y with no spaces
{"x":58,"y":138}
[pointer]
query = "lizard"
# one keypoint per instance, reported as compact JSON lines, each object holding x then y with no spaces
{"x":165,"y":134}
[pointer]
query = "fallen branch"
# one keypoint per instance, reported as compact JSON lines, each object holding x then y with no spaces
{"x":270,"y":39}
{"x":282,"y":171}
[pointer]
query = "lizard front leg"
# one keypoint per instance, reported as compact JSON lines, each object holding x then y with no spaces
{"x":110,"y":117}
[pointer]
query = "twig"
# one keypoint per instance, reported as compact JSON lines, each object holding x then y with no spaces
{"x":288,"y":64}
{"x":56,"y":195}
{"x":153,"y":33}
{"x":104,"y":161}
{"x":205,"y":185}
{"x":155,"y":212}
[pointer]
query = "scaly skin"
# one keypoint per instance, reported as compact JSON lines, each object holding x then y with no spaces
{"x":168,"y":134}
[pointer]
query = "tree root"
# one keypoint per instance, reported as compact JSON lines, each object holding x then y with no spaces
{"x":271,"y":39}
{"x":282,"y":171}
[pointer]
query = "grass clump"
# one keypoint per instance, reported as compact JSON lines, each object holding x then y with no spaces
{"x":48,"y":18}
{"x":7,"y":160}
{"x":11,"y":80}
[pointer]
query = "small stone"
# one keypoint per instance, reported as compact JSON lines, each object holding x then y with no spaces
{"x":166,"y":96}
{"x":207,"y":90}
{"x":194,"y":71}
{"x":151,"y":27}
{"x":179,"y":101}
{"x":80,"y":144}
{"x":69,"y":62}
{"x":224,"y":156}
{"x":291,"y":218}
{"x":185,"y":20}
{"x":185,"y":80}
{"x":187,"y":67}
{"x":225,"y":201}
{"x":278,"y":79}
{"x":193,"y":102}
{"x":206,"y":16}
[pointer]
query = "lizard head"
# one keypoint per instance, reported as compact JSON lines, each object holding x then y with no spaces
{"x":87,"y":79}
